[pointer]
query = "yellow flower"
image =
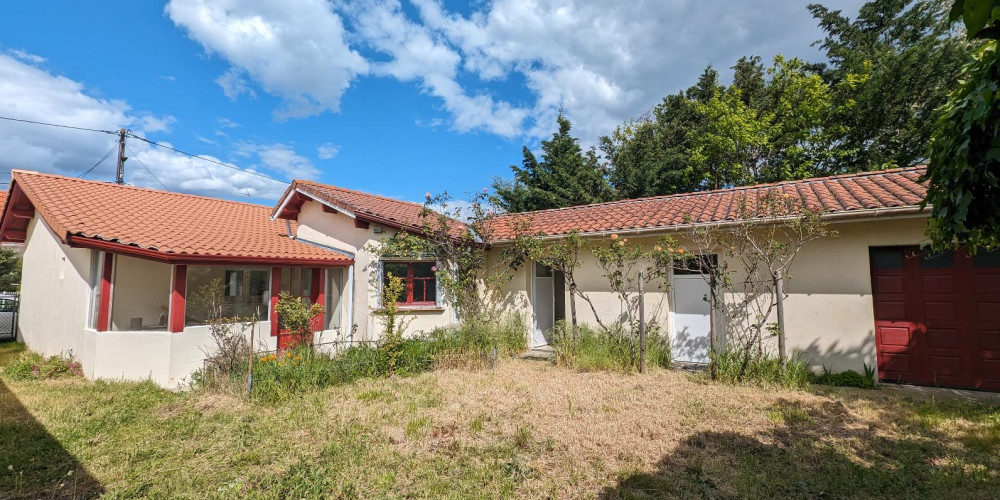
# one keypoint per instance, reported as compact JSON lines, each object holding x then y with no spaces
{"x":670,"y":249}
{"x":680,"y":250}
{"x":621,"y":243}
{"x":298,"y":358}
{"x":264,"y":359}
{"x":271,"y":357}
{"x":288,"y":354}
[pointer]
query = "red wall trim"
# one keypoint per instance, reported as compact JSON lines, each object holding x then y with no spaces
{"x":145,"y":253}
{"x":178,"y":299}
{"x":275,"y":291}
{"x":104,"y":308}
{"x":319,"y":293}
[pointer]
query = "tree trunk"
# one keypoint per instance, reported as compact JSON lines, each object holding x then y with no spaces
{"x":572,"y":310}
{"x":642,"y":329}
{"x":779,"y":287}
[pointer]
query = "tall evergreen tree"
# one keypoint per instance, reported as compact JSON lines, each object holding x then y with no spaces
{"x":903,"y":56}
{"x":565,"y":176}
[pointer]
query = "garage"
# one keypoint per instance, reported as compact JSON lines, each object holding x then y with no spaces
{"x":937,"y":317}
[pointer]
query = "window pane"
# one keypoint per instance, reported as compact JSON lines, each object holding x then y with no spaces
{"x":231,"y":292}
{"x":701,"y":264}
{"x":542,"y":271}
{"x":96,"y":257}
{"x":334,"y":295}
{"x":986,"y":259}
{"x":424,"y":283}
{"x":943,"y":260}
{"x":887,"y":258}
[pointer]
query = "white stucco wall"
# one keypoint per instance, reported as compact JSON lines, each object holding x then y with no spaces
{"x":55,"y":295}
{"x":828,"y":313}
{"x":337,"y":230}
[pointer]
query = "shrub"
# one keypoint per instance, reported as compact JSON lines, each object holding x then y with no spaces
{"x":33,"y":366}
{"x":741,"y":367}
{"x":849,"y":378}
{"x":603,"y":351}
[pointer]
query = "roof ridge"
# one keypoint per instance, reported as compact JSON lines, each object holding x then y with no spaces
{"x":136,"y":188}
{"x":807,"y":181}
{"x":355,"y":191}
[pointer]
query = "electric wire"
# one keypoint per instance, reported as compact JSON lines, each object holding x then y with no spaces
{"x":57,"y":125}
{"x":105,"y":157}
{"x":192,"y":155}
{"x":150,"y":172}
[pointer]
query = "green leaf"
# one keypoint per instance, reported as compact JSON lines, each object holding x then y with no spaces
{"x":956,"y":10}
{"x":976,"y":13}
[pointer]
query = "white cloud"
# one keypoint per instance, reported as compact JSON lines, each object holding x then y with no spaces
{"x":327,"y":151}
{"x":31,"y":93}
{"x":279,"y":157}
{"x":602,"y":61}
{"x":227,"y":123}
{"x":27,"y":56}
{"x":292,"y":49}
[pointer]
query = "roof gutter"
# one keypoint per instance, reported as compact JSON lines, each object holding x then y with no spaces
{"x":172,"y":258}
{"x":907,"y":212}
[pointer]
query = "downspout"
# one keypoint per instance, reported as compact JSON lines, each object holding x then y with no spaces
{"x":288,"y":229}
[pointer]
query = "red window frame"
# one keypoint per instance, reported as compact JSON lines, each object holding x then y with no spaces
{"x":412,"y":282}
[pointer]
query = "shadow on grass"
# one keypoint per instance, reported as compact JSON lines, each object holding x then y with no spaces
{"x":823,"y":451}
{"x":32,"y":462}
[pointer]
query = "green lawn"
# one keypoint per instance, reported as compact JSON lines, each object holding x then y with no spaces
{"x":525,"y":429}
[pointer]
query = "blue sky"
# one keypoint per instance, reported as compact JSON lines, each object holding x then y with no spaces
{"x":386,"y":97}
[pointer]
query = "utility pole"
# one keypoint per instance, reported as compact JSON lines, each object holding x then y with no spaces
{"x":120,"y":175}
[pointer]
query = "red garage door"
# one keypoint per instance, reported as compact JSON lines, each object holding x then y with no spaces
{"x":937,"y":317}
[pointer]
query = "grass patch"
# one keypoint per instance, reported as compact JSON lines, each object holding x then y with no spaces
{"x":607,"y":351}
{"x":735,"y":367}
{"x":26,"y":365}
{"x":526,"y":429}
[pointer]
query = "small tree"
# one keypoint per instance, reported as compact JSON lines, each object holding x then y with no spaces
{"x":10,"y":270}
{"x":232,"y":347}
{"x":393,"y":326}
{"x":297,"y":318}
{"x":767,"y":234}
{"x":562,"y":256}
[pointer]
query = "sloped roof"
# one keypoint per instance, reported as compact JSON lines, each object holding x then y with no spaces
{"x":362,"y":206}
{"x":848,"y":194}
{"x":155,"y":224}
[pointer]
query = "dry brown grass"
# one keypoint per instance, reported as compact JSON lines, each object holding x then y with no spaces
{"x":526,"y":428}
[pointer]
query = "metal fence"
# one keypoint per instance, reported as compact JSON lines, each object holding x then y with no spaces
{"x":9,"y":303}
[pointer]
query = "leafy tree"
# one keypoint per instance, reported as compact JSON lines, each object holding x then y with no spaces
{"x":903,"y":57}
{"x":10,"y":270}
{"x":964,"y":169}
{"x":565,"y":176}
{"x":651,"y":155}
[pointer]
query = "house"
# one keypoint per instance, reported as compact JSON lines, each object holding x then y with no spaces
{"x":111,"y":273}
{"x":870,"y":295}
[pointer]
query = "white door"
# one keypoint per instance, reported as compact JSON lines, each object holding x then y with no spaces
{"x":543,"y":304}
{"x":689,"y":339}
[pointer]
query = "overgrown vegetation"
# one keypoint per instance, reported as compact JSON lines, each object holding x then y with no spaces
{"x":600,"y":350}
{"x":849,"y":378}
{"x":737,"y":366}
{"x":30,"y":365}
{"x":526,"y":429}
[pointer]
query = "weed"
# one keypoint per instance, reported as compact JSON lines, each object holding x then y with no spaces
{"x":30,"y":365}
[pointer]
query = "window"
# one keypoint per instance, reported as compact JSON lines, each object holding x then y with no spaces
{"x":419,"y":278}
{"x":96,"y":270}
{"x":942,"y":260}
{"x":334,"y":297}
{"x":297,"y":282}
{"x":886,"y":258}
{"x":702,"y":264}
{"x":239,"y":292}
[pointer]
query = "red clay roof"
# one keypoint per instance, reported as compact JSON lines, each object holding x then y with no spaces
{"x":843,"y":194}
{"x":366,"y":207}
{"x":171,"y":225}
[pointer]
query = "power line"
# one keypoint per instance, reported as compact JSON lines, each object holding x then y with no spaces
{"x":192,"y":155}
{"x":150,"y":172}
{"x":56,"y":125}
{"x":105,"y":157}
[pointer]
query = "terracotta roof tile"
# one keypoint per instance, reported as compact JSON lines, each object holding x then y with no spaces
{"x":170,"y":223}
{"x":365,"y":206}
{"x":840,"y":194}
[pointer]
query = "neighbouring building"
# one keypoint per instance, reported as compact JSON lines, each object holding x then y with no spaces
{"x":111,"y":273}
